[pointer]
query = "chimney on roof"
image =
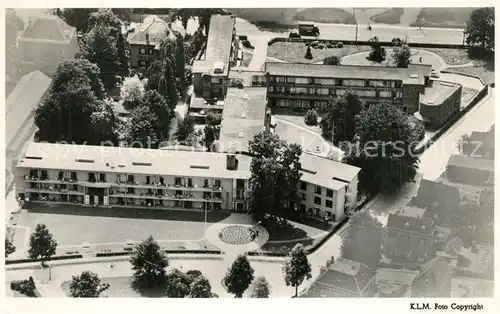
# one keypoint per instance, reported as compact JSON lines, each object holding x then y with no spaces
{"x":231,"y":162}
{"x":147,"y":38}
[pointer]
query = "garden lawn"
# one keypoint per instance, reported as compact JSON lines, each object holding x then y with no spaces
{"x":390,"y":16}
{"x":298,"y":119}
{"x":295,"y":52}
{"x":443,"y":17}
{"x":484,"y":72}
{"x":326,"y":15}
{"x":452,"y":56}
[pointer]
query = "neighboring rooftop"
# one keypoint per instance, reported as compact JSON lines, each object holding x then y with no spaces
{"x":471,"y":163}
{"x":247,"y":77}
{"x":243,"y":117}
{"x":326,"y":172}
{"x":23,"y":100}
{"x":152,"y":26}
{"x":50,"y":28}
{"x":486,"y":138}
{"x":344,"y":274}
{"x":439,"y":91}
{"x":415,"y":221}
{"x":403,"y":277}
{"x":406,"y":75}
{"x":433,"y":276}
{"x":218,"y":48}
{"x":132,"y":160}
{"x":432,"y":193}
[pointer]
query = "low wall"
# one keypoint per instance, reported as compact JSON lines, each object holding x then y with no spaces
{"x":213,"y":252}
{"x":360,"y":43}
{"x":30,"y":260}
{"x":464,"y":74}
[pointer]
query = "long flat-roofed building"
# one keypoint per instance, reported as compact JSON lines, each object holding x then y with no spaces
{"x":210,"y":75}
{"x":132,"y":177}
{"x":439,"y":101}
{"x":303,"y":86}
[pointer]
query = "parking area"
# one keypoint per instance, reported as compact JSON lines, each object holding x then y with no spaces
{"x":108,"y":229}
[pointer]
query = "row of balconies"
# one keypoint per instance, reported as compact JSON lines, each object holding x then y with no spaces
{"x":310,"y":84}
{"x":54,"y":191}
{"x":192,"y":198}
{"x":46,"y":179}
{"x":325,"y":96}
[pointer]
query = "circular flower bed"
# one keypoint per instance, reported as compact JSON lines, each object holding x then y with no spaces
{"x":236,"y":235}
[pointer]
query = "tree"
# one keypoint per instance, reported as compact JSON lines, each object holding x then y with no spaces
{"x":9,"y":247}
{"x":212,"y":128}
{"x":378,"y":52}
{"x":402,"y":56}
{"x":332,"y":60}
{"x":177,"y":284}
{"x":153,"y":74}
{"x":383,"y":149}
{"x":100,"y":47}
{"x":180,"y":61}
{"x":363,"y":240}
{"x":184,"y":129}
{"x":42,"y":246}
{"x":172,"y":94}
{"x":239,"y":276}
{"x":123,"y":55}
{"x":311,"y":117}
{"x":158,"y":105}
{"x":480,"y":29}
{"x":275,"y":175}
{"x":144,"y":127}
{"x":106,"y":17}
{"x":66,"y":113}
{"x":297,"y":268}
{"x":132,"y":90}
{"x":260,"y":288}
{"x":308,"y":55}
{"x":104,"y":124}
{"x":200,"y":288}
{"x":338,"y":123}
{"x":78,"y":18}
{"x":149,"y":264}
{"x":87,"y":285}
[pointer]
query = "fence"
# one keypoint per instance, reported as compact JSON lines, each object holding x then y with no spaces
{"x":213,"y":252}
{"x":361,"y":43}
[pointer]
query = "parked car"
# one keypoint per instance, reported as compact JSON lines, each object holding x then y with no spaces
{"x":294,"y":34}
{"x":434,"y":73}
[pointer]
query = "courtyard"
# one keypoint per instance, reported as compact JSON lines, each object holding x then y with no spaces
{"x":106,"y":229}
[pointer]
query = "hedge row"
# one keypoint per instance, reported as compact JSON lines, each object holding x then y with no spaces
{"x":213,"y":252}
{"x":361,"y":43}
{"x":53,"y":258}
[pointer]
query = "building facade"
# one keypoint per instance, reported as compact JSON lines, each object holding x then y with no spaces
{"x":304,"y":86}
{"x":145,"y":39}
{"x":469,"y":170}
{"x":162,"y":179}
{"x":210,"y":74}
{"x":438,"y":102}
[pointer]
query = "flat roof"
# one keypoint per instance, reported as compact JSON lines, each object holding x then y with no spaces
{"x":23,"y":100}
{"x":326,"y":172}
{"x":133,"y":160}
{"x":242,"y":118}
{"x":436,"y":93}
{"x":218,"y":45}
{"x":411,"y":75}
{"x":246,"y":77}
{"x":202,"y":103}
{"x":471,"y":163}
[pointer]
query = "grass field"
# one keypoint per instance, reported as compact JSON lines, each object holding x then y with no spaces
{"x":390,"y":16}
{"x":443,"y":17}
{"x":325,"y":15}
{"x":295,"y":52}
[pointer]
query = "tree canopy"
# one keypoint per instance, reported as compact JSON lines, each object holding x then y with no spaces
{"x":87,"y":285}
{"x":402,"y":56}
{"x":42,"y":245}
{"x":143,"y":128}
{"x":384,"y":149}
{"x":9,"y":247}
{"x":132,"y":90}
{"x":260,"y":288}
{"x":363,"y":240}
{"x":480,"y":29}
{"x":239,"y":276}
{"x":275,"y":171}
{"x":378,"y":52}
{"x":338,"y":123}
{"x":297,"y":267}
{"x":149,"y":264}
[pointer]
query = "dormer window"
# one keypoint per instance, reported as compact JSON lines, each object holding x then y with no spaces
{"x":407,"y":224}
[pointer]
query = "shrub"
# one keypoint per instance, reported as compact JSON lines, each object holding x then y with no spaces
{"x":331,"y":45}
{"x":311,"y":117}
{"x":321,"y":46}
{"x":315,"y":44}
{"x":26,"y":287}
{"x":246,"y":43}
{"x":340,"y":44}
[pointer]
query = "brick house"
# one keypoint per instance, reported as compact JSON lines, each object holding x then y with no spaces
{"x":343,"y":279}
{"x":46,"y":42}
{"x":145,"y":39}
{"x":410,"y":234}
{"x":434,"y":280}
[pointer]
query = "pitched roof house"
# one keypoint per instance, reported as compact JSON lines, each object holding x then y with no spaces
{"x":437,"y":196}
{"x":434,"y":279}
{"x":342,"y":279}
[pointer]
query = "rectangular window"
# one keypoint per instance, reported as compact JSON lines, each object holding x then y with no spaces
{"x":421,"y":243}
{"x":385,"y":94}
{"x":354,"y":83}
{"x":302,"y":80}
{"x":102,"y":177}
{"x":142,"y":51}
{"x":150,"y":51}
{"x":340,"y":92}
{"x":317,"y":200}
{"x":303,"y":196}
{"x":376,"y":83}
{"x":368,"y":93}
{"x":217,"y":183}
{"x":290,"y":80}
{"x":303,"y":185}
{"x":329,"y":193}
{"x":329,"y":204}
{"x":142,"y":63}
{"x":317,"y":190}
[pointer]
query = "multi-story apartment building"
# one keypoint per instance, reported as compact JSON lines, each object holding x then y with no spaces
{"x":439,"y":101}
{"x":304,"y":86}
{"x":145,"y":39}
{"x":133,"y":177}
{"x":210,"y":75}
{"x":46,"y":42}
{"x":410,"y":234}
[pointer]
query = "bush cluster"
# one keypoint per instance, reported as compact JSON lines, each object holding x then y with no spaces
{"x":311,"y":117}
{"x":26,"y":287}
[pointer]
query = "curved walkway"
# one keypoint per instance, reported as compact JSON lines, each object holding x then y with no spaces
{"x":213,"y":234}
